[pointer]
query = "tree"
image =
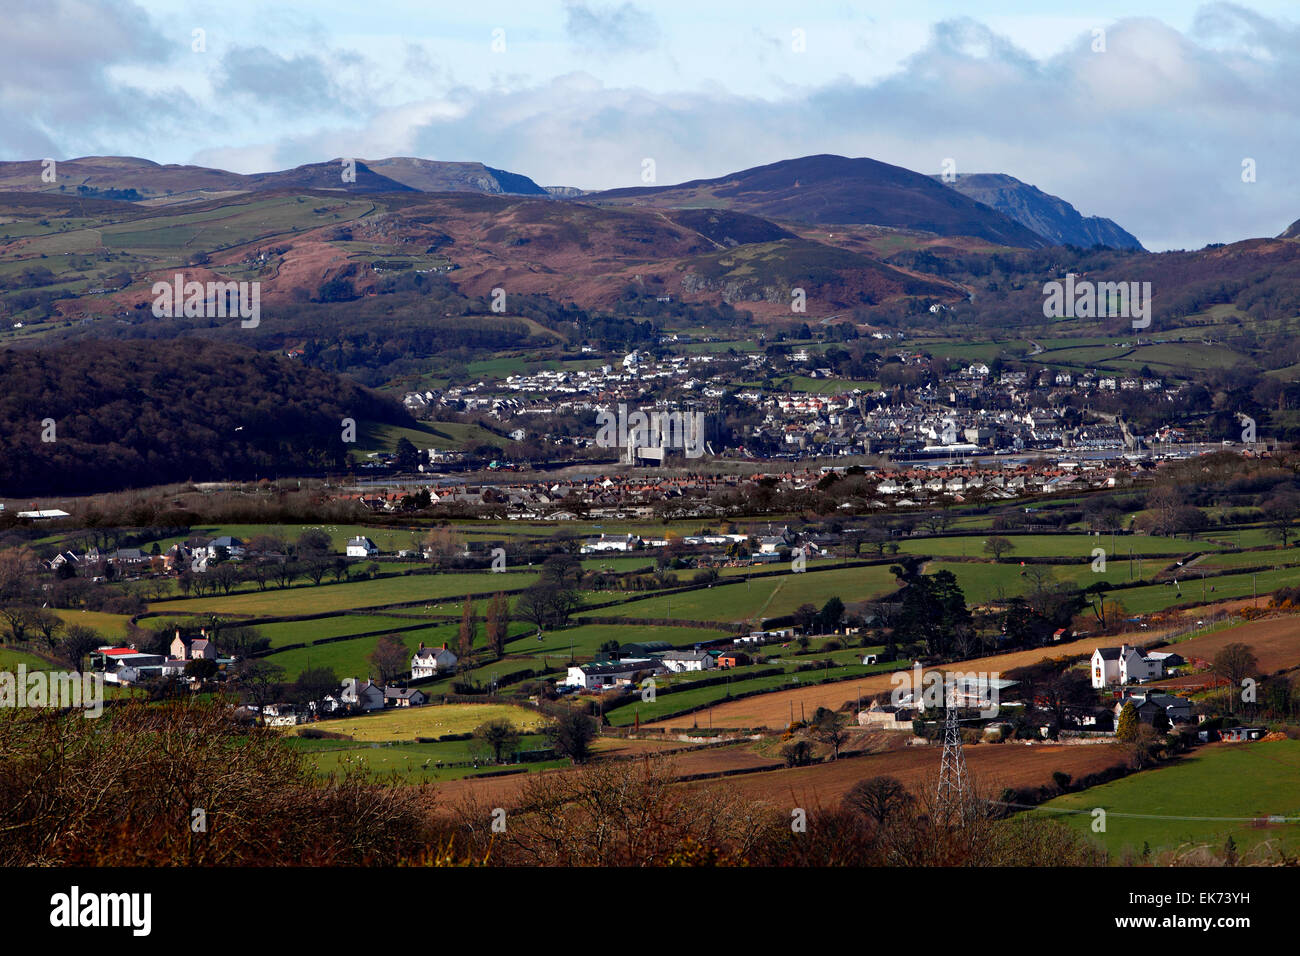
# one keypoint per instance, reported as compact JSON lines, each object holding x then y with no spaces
{"x":260,"y":681}
{"x":314,"y":683}
{"x":314,"y":543}
{"x":1280,"y":513}
{"x":500,"y":736}
{"x":389,"y":658}
{"x":47,"y":625}
{"x":201,"y":668}
{"x":408,"y":456}
{"x":534,"y":606}
{"x":805,"y":615}
{"x":878,"y":798}
{"x":829,"y":617}
{"x":242,"y":641}
{"x":1234,"y":663}
{"x":571,"y":735}
{"x":830,"y":727}
{"x":1126,"y":730}
{"x":78,"y":641}
{"x":465,"y":639}
{"x":498,"y":623}
{"x":998,"y":546}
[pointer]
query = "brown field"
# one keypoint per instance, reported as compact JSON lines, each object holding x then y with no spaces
{"x":773,"y":710}
{"x":992,"y":767}
{"x":1276,"y":643}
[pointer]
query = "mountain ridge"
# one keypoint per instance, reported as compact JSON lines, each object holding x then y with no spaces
{"x":1049,"y":216}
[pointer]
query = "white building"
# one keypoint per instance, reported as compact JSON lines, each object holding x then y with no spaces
{"x":1112,"y":666}
{"x":679,"y":661}
{"x":611,"y":673}
{"x":429,"y":661}
{"x":360,"y":547}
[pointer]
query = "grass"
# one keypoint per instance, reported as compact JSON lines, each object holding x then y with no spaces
{"x":11,"y":658}
{"x":1251,"y":780}
{"x":701,"y":697}
{"x":1055,"y":545}
{"x":351,"y":595}
{"x":294,"y":632}
{"x":433,"y":720}
{"x":765,"y":597}
{"x":111,"y":626}
{"x":350,"y":658}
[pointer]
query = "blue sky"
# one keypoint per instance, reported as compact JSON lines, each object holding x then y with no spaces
{"x":1151,"y":129}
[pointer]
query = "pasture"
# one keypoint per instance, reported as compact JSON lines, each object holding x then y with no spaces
{"x":1219,"y":791}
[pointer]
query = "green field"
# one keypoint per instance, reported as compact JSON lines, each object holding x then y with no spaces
{"x":411,"y":763}
{"x":350,"y":595}
{"x":1251,"y":780}
{"x":349,"y":658}
{"x":762,"y":598}
{"x":1056,"y":545}
{"x":294,"y":632}
{"x":433,"y":720}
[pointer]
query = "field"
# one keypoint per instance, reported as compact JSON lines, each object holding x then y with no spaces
{"x":295,"y":632}
{"x":1218,"y":791}
{"x":763,"y":597}
{"x":1056,"y":546}
{"x":351,"y":595}
{"x":432,"y":720}
{"x":349,"y":658}
{"x":1276,"y":643}
{"x":992,"y":767}
{"x":10,"y":659}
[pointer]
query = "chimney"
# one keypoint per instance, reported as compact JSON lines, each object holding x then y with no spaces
{"x":444,"y":645}
{"x":178,"y":633}
{"x":204,"y":632}
{"x":422,"y":645}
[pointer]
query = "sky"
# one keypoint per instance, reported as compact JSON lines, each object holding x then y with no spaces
{"x":1178,"y":120}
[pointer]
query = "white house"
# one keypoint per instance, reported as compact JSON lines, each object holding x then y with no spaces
{"x":429,"y":661}
{"x":233,"y":547}
{"x":611,"y":673}
{"x":613,"y":542}
{"x":361,"y":547}
{"x":678,"y":661}
{"x":360,"y":695}
{"x":1123,"y":665}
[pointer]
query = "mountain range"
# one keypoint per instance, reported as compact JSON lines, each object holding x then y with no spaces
{"x":815,"y":190}
{"x":1049,"y":216}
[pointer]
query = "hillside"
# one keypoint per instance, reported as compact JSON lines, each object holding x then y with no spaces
{"x":135,"y":414}
{"x":138,"y":180}
{"x":435,"y":177}
{"x":829,"y":189}
{"x":1051,"y":217}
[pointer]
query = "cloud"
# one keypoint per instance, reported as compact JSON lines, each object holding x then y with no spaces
{"x":58,"y":94}
{"x":1151,"y":132}
{"x":625,"y":28}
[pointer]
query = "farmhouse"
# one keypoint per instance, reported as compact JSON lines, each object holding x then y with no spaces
{"x":1178,"y":710}
{"x":886,"y":717}
{"x":404,"y":697}
{"x":358,"y":695}
{"x":193,"y":648}
{"x":361,"y":547}
{"x":678,"y":661}
{"x":1113,"y":666}
{"x":612,"y":674}
{"x":429,"y":661}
